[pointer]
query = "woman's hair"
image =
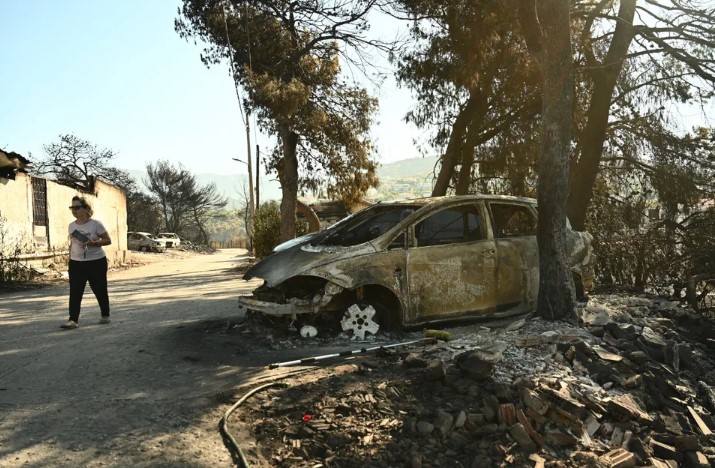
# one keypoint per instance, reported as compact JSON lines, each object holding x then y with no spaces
{"x":85,"y":204}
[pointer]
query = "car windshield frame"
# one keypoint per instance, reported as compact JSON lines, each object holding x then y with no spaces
{"x":345,"y":232}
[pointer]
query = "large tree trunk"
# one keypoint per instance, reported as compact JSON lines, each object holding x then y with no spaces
{"x":288,"y":177}
{"x":454,"y":149}
{"x":556,"y":291}
{"x":550,"y":43}
{"x":465,"y":171}
{"x":475,"y":136}
{"x":605,"y":76}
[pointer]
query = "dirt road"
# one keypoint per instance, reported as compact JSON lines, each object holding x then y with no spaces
{"x":146,"y":390}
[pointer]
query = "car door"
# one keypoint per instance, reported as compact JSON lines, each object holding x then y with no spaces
{"x":451,"y":264}
{"x":517,"y":276}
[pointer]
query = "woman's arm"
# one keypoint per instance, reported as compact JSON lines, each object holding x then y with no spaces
{"x":104,"y":239}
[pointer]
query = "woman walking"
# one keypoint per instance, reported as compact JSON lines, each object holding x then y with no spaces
{"x":87,"y":261}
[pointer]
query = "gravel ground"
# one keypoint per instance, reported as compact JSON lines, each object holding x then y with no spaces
{"x":150,"y":388}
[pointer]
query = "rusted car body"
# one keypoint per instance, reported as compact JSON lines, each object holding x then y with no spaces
{"x":415,"y":261}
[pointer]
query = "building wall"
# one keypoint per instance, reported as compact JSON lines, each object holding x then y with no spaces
{"x":16,"y":215}
{"x":16,"y":206}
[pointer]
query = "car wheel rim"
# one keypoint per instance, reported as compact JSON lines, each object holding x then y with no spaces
{"x":359,"y":320}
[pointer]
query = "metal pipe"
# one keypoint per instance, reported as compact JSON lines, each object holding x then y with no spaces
{"x":313,"y":359}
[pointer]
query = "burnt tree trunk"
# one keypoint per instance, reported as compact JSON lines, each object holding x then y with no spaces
{"x":549,"y":41}
{"x":451,"y":156}
{"x":475,"y":137}
{"x":287,"y":169}
{"x":605,"y":76}
{"x":464,"y":180}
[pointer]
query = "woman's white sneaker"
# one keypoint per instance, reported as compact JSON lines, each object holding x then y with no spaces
{"x":70,"y":325}
{"x":104,"y":320}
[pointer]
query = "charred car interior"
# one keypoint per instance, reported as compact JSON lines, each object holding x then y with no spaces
{"x":412,"y":262}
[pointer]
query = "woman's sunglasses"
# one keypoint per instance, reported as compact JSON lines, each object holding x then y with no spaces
{"x":73,"y":208}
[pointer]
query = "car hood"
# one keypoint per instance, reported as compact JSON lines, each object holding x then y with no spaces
{"x":299,"y":259}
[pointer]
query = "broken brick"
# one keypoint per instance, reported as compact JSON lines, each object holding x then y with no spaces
{"x":532,"y":401}
{"x":619,"y":458}
{"x":606,"y":355}
{"x":539,"y":462}
{"x":686,"y":443}
{"x":657,"y":463}
{"x":528,"y":342}
{"x":564,"y":419}
{"x":696,"y":460}
{"x":641,"y":450}
{"x":662,"y":450}
{"x":627,"y":436}
{"x":671,"y":424}
{"x":566,"y":403}
{"x":561,"y":439}
{"x":610,"y":340}
{"x":519,"y":434}
{"x":538,"y":418}
{"x":663,"y":438}
{"x":623,"y":408}
{"x":633,"y":381}
{"x":535,"y":436}
{"x":620,"y":411}
{"x":699,"y":421}
{"x":617,"y":437}
{"x":592,"y":425}
{"x":506,"y":414}
{"x":639,"y":357}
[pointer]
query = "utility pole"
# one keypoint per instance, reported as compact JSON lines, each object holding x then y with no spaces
{"x":251,"y":206}
{"x":246,"y":117}
{"x":258,"y":174}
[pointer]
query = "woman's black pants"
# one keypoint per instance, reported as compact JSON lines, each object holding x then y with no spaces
{"x":94,"y":271}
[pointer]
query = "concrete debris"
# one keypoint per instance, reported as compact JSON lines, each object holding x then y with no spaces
{"x":436,"y":370}
{"x":632,"y":386}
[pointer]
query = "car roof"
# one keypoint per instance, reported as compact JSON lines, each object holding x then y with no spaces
{"x":455,"y":198}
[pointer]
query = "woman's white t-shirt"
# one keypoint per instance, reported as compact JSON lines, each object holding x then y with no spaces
{"x":92,"y":229}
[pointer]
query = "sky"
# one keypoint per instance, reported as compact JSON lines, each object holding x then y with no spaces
{"x":117,"y":74}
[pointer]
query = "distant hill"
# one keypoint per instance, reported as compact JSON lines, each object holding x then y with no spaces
{"x":231,"y":185}
{"x":408,"y":167}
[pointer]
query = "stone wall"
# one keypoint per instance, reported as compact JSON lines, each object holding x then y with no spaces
{"x":45,"y":242}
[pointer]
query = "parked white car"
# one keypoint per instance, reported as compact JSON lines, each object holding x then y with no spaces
{"x":144,"y":241}
{"x":171,"y":239}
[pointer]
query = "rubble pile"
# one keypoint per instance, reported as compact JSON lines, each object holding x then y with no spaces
{"x":630,"y":385}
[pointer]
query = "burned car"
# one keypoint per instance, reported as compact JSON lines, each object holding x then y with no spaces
{"x":411,"y":262}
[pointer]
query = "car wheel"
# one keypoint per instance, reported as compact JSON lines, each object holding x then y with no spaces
{"x":366,"y":317}
{"x":143,"y":248}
